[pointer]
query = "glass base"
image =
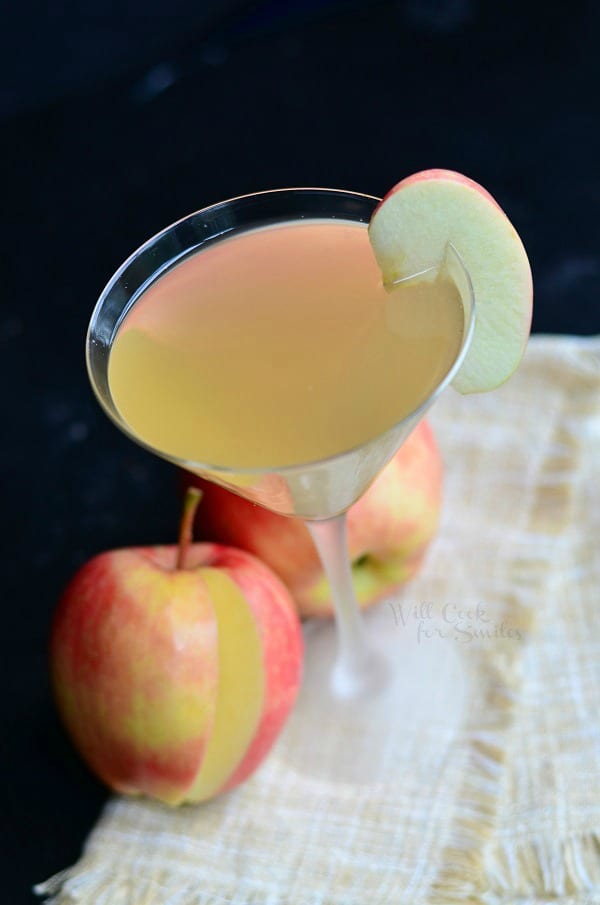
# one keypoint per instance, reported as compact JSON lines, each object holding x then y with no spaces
{"x":414,"y":685}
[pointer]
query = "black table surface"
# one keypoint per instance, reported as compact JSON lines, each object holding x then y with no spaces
{"x":114,"y":126}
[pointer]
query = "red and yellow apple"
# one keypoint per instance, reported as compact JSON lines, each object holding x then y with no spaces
{"x":409,"y":231}
{"x":175,"y":682}
{"x":389,"y":529}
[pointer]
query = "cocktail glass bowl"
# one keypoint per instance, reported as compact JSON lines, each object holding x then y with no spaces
{"x":350,"y":665}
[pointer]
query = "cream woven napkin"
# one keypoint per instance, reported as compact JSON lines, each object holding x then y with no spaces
{"x":491,"y":791}
{"x":547,"y":841}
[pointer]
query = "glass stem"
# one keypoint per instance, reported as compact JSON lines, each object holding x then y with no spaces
{"x":354,"y":667}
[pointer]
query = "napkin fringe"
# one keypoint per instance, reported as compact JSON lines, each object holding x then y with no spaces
{"x":543,"y":868}
{"x":585,"y":898}
{"x":548,"y":864}
{"x":103,"y":887}
{"x":463,"y":877}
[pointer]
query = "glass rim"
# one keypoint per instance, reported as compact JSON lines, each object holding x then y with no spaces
{"x":115,"y":416}
{"x":215,"y":207}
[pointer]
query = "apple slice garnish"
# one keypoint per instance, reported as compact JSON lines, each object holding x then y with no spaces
{"x":409,"y":231}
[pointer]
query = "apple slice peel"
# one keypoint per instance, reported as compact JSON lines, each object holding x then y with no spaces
{"x":409,"y":231}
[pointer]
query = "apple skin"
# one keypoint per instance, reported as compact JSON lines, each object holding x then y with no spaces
{"x":135,"y":666}
{"x":389,"y":528}
{"x":409,"y":229}
{"x":435,"y":174}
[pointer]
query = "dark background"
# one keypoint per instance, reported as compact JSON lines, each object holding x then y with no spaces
{"x":117,"y":120}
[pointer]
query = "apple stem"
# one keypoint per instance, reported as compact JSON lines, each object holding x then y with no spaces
{"x":193,"y":495}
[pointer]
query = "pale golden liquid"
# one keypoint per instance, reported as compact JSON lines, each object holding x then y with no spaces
{"x":280,"y":346}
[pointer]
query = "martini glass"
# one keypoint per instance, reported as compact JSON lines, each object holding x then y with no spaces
{"x":350,"y":662}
